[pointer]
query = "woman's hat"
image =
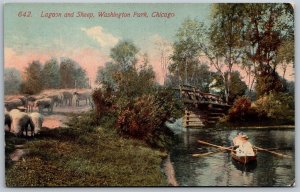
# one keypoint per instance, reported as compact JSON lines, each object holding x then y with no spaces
{"x":245,"y":137}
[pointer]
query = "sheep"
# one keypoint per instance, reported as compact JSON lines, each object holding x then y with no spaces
{"x":13,"y":104}
{"x":57,"y":99}
{"x":20,"y":123}
{"x":44,"y":103}
{"x":67,"y":97}
{"x":8,"y":120}
{"x":82,"y":96}
{"x":37,"y":120}
{"x":30,"y":103}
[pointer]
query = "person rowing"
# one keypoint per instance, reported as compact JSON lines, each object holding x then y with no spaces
{"x":242,"y":146}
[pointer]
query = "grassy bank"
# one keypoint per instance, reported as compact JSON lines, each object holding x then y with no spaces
{"x":85,"y":156}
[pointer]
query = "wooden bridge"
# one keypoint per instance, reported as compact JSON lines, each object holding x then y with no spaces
{"x":201,"y":109}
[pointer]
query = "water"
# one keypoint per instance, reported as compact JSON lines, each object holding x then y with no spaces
{"x":220,"y":170}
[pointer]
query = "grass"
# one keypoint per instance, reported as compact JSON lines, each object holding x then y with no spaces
{"x":86,"y":155}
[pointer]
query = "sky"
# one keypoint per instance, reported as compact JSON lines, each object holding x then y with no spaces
{"x":89,"y":40}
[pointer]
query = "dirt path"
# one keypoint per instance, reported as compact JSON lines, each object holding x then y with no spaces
{"x":61,"y":115}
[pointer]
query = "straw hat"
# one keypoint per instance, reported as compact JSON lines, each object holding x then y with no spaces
{"x":245,"y":137}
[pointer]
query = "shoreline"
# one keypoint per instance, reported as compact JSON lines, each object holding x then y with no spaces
{"x":169,"y":172}
{"x":276,"y":127}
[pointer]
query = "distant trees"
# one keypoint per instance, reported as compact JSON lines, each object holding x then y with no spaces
{"x":12,"y":81}
{"x":33,"y":82}
{"x":72,"y":75}
{"x":51,"y":75}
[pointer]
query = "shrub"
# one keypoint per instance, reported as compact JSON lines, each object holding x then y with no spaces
{"x":243,"y":111}
{"x":144,"y":117}
{"x":277,"y":106}
{"x":103,"y":101}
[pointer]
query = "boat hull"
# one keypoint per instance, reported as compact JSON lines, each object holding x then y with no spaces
{"x":243,"y":159}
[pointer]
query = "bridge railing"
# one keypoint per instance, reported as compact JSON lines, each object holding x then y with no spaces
{"x":194,"y":95}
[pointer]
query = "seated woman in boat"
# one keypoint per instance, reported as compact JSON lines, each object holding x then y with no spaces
{"x":245,"y":148}
{"x":237,"y":139}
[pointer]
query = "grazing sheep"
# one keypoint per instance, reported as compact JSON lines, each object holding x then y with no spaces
{"x":13,"y":104}
{"x":20,"y":123}
{"x":57,"y":99}
{"x":37,"y":120}
{"x":44,"y":103}
{"x":82,"y":96}
{"x":8,"y":120}
{"x":30,"y":103}
{"x":67,"y":97}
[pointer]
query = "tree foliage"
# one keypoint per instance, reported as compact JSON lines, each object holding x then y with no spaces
{"x":12,"y":81}
{"x":72,"y":75}
{"x":50,"y":72}
{"x":33,"y":78}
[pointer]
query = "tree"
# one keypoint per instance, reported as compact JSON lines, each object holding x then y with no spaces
{"x":124,"y":55}
{"x":267,"y":28}
{"x":12,"y":81}
{"x":72,"y":75}
{"x":190,"y":38}
{"x":126,"y":79}
{"x":50,"y":72}
{"x":225,"y":41}
{"x":238,"y":87}
{"x":33,"y":78}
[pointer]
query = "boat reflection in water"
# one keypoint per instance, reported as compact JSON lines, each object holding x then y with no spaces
{"x":248,"y":167}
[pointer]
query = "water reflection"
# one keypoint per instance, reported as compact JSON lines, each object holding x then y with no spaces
{"x":220,"y":170}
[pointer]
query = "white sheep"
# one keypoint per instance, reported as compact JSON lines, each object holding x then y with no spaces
{"x":20,"y":123}
{"x":37,"y":120}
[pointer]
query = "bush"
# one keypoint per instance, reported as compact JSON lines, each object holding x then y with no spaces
{"x":103,"y":101}
{"x":277,"y":106}
{"x":144,"y":117}
{"x":242,"y":111}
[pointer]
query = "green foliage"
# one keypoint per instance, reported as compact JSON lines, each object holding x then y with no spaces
{"x":88,"y":157}
{"x":12,"y":81}
{"x":268,"y":81}
{"x":72,"y":75}
{"x":144,"y":117}
{"x":238,"y":87}
{"x":124,"y":55}
{"x":34,"y":80}
{"x":50,"y":73}
{"x":280,"y":107}
{"x":185,"y":57}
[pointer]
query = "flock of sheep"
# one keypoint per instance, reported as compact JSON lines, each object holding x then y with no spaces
{"x":24,"y":114}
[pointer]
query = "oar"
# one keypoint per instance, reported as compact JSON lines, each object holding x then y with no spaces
{"x":275,"y":153}
{"x":205,"y":154}
{"x":217,"y":146}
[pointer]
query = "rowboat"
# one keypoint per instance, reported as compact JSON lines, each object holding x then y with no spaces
{"x":243,"y":159}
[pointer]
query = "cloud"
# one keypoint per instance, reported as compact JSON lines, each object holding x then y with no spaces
{"x":106,"y":40}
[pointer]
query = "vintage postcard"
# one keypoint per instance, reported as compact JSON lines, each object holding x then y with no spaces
{"x":149,"y":94}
